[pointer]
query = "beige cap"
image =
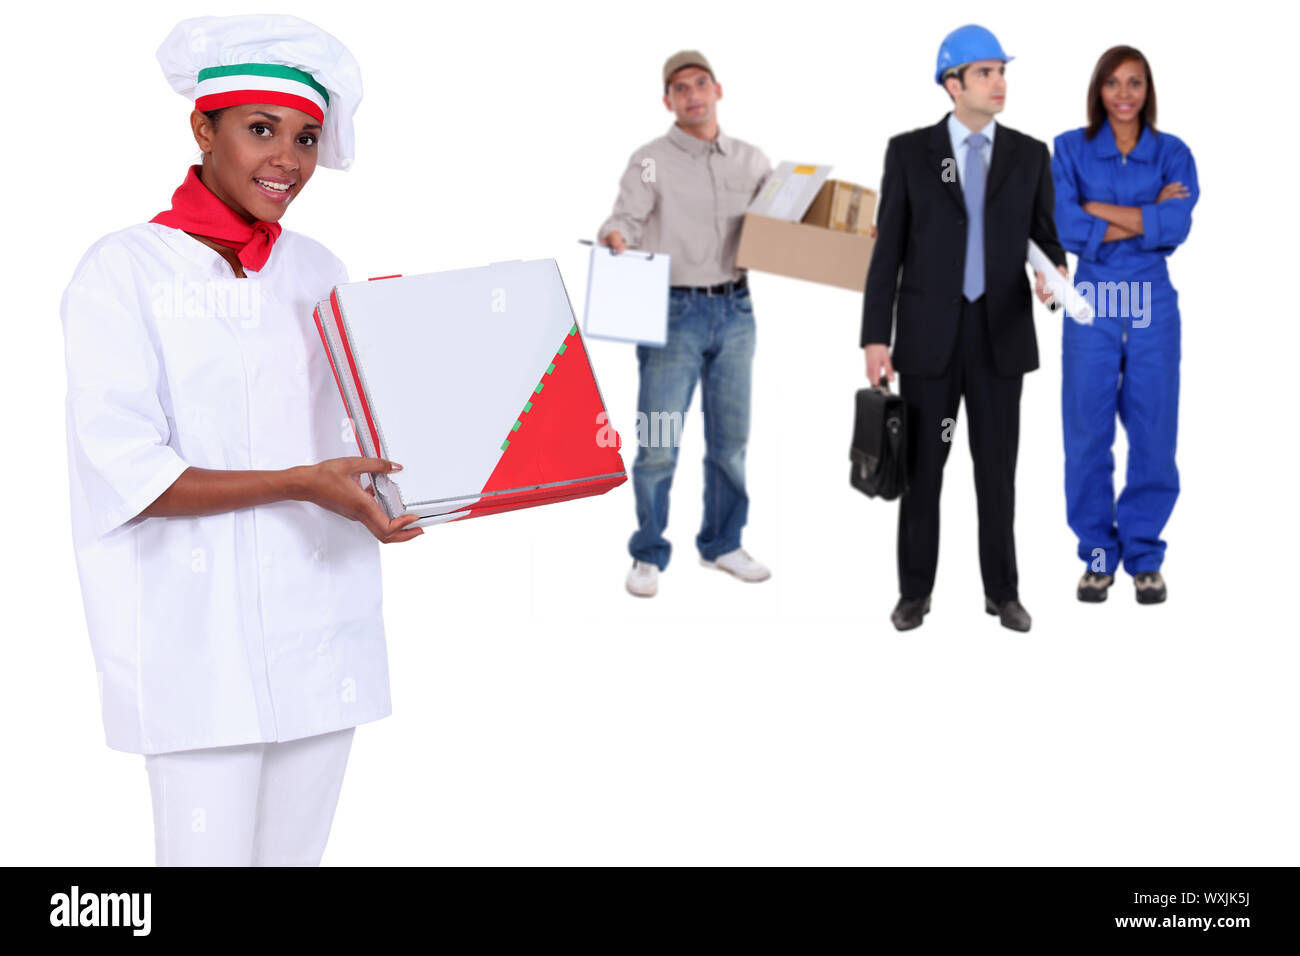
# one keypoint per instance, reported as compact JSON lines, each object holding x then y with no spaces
{"x":682,"y":60}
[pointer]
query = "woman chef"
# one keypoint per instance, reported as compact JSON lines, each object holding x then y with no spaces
{"x":228,"y":555}
{"x":1124,"y":198}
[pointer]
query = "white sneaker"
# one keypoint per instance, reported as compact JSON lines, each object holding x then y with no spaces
{"x":739,"y":564}
{"x":643,"y":579}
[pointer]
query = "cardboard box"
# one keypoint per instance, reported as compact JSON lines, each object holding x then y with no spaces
{"x":852,"y":208}
{"x":814,"y":249}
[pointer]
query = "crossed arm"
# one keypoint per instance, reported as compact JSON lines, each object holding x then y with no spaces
{"x":1125,"y":222}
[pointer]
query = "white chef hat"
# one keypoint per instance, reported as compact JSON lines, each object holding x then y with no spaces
{"x":268,"y":58}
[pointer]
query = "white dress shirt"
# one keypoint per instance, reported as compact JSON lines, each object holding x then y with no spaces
{"x":957,"y":133}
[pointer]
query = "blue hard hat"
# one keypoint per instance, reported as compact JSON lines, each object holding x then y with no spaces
{"x":966,"y":45}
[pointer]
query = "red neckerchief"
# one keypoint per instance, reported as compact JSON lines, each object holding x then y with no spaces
{"x":196,"y":209}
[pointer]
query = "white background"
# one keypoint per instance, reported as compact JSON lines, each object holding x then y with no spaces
{"x":541,"y":714}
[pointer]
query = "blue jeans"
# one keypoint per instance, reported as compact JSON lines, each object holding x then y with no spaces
{"x":710,"y":339}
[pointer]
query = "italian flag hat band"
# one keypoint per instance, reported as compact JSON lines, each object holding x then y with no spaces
{"x":243,"y":83}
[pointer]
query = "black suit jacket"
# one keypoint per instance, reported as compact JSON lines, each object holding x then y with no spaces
{"x":920,"y":253}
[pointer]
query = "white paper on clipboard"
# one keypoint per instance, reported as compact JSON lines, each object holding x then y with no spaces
{"x":627,"y":296}
{"x":789,"y":191}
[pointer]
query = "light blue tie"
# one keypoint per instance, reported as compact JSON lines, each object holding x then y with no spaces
{"x":973,"y":186}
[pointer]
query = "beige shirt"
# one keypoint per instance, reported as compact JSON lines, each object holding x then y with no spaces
{"x":686,"y":197}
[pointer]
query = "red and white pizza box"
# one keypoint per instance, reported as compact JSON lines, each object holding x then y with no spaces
{"x":476,"y":381}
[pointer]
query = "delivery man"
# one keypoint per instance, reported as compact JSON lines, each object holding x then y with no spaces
{"x":958,"y":203}
{"x":685,"y":194}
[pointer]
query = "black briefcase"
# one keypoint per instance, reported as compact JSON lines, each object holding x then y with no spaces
{"x":879,"y":451}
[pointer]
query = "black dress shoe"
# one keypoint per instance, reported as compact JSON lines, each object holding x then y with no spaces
{"x":1150,"y":587}
{"x":1093,"y":587}
{"x":909,"y":611}
{"x":1012,"y":613}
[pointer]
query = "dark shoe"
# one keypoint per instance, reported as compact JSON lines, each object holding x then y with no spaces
{"x":1150,"y":587}
{"x":1012,"y":613}
{"x":1093,"y":587}
{"x":909,"y":611}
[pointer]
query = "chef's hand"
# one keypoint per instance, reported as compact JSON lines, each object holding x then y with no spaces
{"x":335,"y":484}
{"x":1040,"y":284}
{"x":614,"y":240}
{"x":878,"y":362}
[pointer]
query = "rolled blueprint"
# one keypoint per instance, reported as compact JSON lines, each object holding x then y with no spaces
{"x":1076,"y":306}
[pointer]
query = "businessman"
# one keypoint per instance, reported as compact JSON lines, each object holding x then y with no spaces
{"x":958,"y":203}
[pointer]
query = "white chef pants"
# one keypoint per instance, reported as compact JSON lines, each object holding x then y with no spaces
{"x":265,"y":804}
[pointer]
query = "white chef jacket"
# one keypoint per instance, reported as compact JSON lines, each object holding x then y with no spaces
{"x":262,"y":624}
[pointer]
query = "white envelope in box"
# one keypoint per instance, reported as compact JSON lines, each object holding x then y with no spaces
{"x":477,"y":382}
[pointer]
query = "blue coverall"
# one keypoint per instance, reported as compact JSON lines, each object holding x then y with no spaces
{"x":1127,"y":360}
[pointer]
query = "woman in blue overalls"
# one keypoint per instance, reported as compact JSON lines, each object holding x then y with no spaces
{"x":1124,"y":198}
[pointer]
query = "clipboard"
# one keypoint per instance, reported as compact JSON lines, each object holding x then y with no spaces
{"x":627,"y":296}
